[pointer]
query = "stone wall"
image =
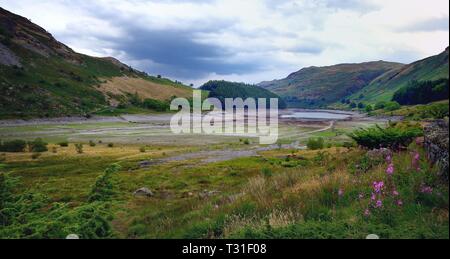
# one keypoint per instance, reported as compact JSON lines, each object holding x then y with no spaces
{"x":436,"y":145}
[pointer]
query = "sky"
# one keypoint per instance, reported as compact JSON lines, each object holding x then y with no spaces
{"x":250,"y":41}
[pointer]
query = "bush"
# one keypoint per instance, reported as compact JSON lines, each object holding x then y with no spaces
{"x":103,"y":187}
{"x":380,"y":105}
{"x":13,"y":146}
{"x":315,"y":143}
{"x":393,"y":137}
{"x":63,"y":144}
{"x":392,"y":106}
{"x":92,"y":143}
{"x":79,"y":148}
{"x":435,"y":111}
{"x":156,"y":105}
{"x":111,"y":145}
{"x":31,"y":215}
{"x":142,"y":149}
{"x":38,"y":146}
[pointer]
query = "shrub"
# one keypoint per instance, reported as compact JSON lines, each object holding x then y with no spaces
{"x":142,"y":149}
{"x":315,"y":143}
{"x":31,"y":215}
{"x":392,"y":106}
{"x":54,"y":150}
{"x":92,"y":143}
{"x":103,"y":187}
{"x":435,"y":111}
{"x":348,"y":144}
{"x":156,"y":105}
{"x":79,"y":148}
{"x":380,"y":105}
{"x":111,"y":145}
{"x":63,"y":144}
{"x":38,"y":146}
{"x":13,"y":146}
{"x":246,"y":142}
{"x":393,"y":137}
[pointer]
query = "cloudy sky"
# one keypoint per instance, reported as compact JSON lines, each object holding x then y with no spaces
{"x":243,"y":40}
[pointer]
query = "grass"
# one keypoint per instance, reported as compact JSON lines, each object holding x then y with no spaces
{"x":413,"y":112}
{"x":255,"y":197}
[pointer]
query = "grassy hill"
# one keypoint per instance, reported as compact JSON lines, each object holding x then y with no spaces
{"x":41,"y":77}
{"x":224,"y":89}
{"x":384,"y":87}
{"x":319,"y":86}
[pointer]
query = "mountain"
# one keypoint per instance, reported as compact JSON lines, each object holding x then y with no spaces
{"x":40,"y":76}
{"x":384,"y":87}
{"x":319,"y":86}
{"x":224,"y":89}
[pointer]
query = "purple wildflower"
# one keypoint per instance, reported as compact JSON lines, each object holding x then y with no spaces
{"x":390,"y":170}
{"x":379,"y":204}
{"x":389,"y":159}
{"x":378,"y":186}
{"x":367,"y":213}
{"x":395,"y":193}
{"x":400,"y":203}
{"x":426,"y":189}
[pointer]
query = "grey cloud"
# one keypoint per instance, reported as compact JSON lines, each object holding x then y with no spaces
{"x":434,"y":24}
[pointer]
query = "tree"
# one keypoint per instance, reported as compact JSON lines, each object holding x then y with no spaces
{"x":315,"y":143}
{"x":369,"y":108}
{"x":423,"y":92}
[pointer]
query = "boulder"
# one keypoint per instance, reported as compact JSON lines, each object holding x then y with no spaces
{"x":143,"y":192}
{"x":436,"y":145}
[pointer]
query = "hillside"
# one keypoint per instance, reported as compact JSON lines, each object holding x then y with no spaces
{"x":319,"y":86}
{"x":384,"y":87}
{"x":224,"y":89}
{"x":41,"y":77}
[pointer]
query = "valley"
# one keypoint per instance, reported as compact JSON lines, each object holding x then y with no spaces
{"x":87,"y":149}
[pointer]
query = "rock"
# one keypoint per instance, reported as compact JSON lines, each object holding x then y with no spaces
{"x":436,"y":145}
{"x":206,"y":194}
{"x":7,"y":57}
{"x":145,"y":164}
{"x":143,"y":192}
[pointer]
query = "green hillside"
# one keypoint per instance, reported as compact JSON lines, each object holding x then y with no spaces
{"x":41,"y":77}
{"x":224,"y":89}
{"x":320,"y":86}
{"x":384,"y":87}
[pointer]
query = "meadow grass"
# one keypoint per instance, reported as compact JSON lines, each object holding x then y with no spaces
{"x":307,"y":194}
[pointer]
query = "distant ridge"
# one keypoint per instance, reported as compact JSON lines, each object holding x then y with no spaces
{"x":315,"y":87}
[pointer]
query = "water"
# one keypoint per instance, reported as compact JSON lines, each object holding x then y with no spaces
{"x":317,"y":115}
